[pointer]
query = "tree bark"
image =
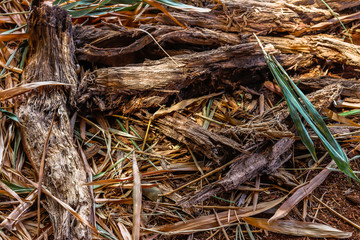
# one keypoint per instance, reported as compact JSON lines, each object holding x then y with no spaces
{"x":152,"y":83}
{"x":52,"y":59}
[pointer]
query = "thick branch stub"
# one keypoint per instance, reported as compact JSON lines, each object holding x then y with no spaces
{"x":52,"y":59}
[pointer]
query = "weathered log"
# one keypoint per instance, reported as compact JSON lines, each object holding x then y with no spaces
{"x":151,"y":83}
{"x":52,"y":59}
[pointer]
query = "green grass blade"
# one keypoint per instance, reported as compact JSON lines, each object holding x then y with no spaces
{"x":337,"y":17}
{"x":17,"y":188}
{"x":317,"y":118}
{"x":298,"y":105}
{"x":182,"y":6}
{"x":10,"y":115}
{"x":304,"y":135}
{"x":350,"y":113}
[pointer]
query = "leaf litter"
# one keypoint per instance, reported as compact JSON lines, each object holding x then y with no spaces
{"x":140,"y":174}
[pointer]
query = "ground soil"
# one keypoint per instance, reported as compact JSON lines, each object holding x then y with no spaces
{"x":337,"y":192}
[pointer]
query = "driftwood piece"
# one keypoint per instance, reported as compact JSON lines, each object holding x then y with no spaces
{"x":52,"y":59}
{"x":249,"y":166}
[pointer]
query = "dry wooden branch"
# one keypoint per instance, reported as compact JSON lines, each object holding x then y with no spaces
{"x":265,"y":161}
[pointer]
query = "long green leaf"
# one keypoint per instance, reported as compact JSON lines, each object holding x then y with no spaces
{"x":10,"y":115}
{"x":298,"y":105}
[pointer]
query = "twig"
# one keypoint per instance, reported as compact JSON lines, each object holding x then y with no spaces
{"x":220,"y":224}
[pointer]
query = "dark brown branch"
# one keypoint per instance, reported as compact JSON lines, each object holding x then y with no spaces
{"x":249,"y":166}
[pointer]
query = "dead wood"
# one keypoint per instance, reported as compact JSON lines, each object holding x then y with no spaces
{"x":204,"y":31}
{"x":52,"y":59}
{"x":154,"y":82}
{"x":247,"y":167}
{"x":201,"y":140}
{"x":151,"y":83}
